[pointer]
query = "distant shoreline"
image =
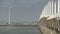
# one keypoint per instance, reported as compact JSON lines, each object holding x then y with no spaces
{"x":19,"y":25}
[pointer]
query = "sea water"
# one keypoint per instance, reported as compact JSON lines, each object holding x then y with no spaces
{"x":19,"y":30}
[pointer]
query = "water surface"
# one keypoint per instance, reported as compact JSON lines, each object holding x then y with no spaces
{"x":19,"y":30}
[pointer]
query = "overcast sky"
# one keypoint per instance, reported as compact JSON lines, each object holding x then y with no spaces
{"x":22,"y":10}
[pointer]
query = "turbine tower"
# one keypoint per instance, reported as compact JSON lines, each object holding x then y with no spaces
{"x":9,"y":14}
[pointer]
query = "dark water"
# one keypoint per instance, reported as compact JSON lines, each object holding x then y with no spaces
{"x":19,"y":30}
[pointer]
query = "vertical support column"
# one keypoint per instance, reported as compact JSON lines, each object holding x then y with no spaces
{"x":58,"y":7}
{"x":52,"y":6}
{"x":55,"y":7}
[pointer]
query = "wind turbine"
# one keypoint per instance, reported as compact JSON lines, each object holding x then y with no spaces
{"x":9,"y":14}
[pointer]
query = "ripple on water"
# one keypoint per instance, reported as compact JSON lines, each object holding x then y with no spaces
{"x":19,"y":30}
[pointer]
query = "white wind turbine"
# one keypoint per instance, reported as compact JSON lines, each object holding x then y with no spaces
{"x":9,"y":14}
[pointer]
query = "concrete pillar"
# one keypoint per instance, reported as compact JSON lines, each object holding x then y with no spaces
{"x":52,"y":7}
{"x":54,"y":3}
{"x":55,"y":7}
{"x":59,"y":7}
